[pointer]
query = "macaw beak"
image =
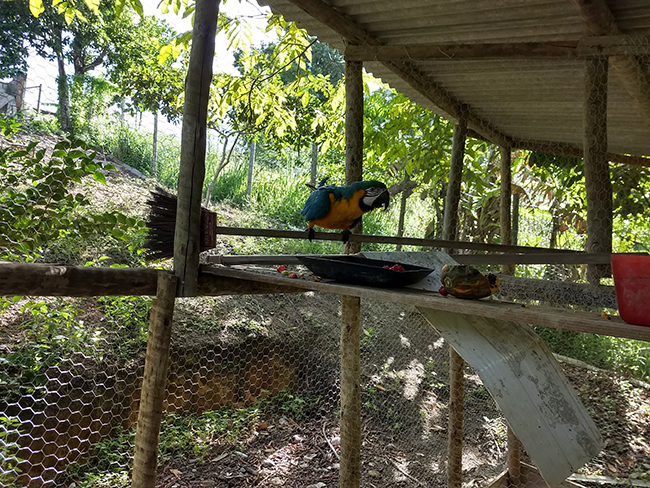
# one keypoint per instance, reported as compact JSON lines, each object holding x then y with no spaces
{"x":384,"y":199}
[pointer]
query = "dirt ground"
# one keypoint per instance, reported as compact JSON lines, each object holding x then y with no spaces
{"x":305,"y":455}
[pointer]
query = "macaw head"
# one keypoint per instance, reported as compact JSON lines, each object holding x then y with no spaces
{"x":376,"y":196}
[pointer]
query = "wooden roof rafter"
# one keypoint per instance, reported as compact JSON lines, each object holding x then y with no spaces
{"x":354,"y":34}
{"x":590,"y":46}
{"x":402,"y":61}
{"x":600,"y":21}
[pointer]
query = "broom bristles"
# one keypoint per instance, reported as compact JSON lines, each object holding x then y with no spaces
{"x":161,"y":224}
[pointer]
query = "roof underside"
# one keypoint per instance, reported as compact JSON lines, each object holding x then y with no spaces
{"x":522,"y":98}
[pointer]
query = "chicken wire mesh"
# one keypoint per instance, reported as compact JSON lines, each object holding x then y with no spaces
{"x":61,"y":422}
{"x":69,"y":417}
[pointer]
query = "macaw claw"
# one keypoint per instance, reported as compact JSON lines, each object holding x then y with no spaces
{"x":310,"y":234}
{"x":345,"y":235}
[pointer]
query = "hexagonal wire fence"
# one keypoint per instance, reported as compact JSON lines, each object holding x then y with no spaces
{"x":68,"y":413}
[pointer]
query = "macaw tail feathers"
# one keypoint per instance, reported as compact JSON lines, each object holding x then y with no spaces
{"x":321,"y":183}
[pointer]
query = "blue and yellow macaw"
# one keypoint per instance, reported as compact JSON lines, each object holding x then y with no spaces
{"x":341,"y":207}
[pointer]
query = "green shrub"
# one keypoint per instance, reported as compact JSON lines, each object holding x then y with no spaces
{"x":40,"y":203}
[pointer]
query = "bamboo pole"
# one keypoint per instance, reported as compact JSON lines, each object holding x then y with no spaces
{"x":411,"y":241}
{"x":153,"y":384}
{"x":187,"y":238}
{"x":456,"y":412}
{"x":598,"y":183}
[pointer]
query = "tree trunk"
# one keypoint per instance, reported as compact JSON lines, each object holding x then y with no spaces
{"x":251,"y":164}
{"x":314,"y":163}
{"x":402,"y":212}
{"x":555,"y":227}
{"x":21,"y":81}
{"x":154,"y":149}
{"x":225,"y":159}
{"x":515,"y":219}
{"x":63,"y":88}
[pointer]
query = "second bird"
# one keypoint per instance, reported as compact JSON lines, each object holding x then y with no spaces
{"x":341,"y":207}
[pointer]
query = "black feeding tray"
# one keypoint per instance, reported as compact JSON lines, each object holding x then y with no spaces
{"x":356,"y":270}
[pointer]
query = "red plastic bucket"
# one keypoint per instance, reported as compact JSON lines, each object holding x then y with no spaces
{"x":632,"y":283}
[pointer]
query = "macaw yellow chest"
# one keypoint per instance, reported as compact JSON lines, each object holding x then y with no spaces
{"x":342,"y":213}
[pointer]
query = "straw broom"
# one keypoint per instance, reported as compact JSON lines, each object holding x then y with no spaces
{"x":161,"y":223}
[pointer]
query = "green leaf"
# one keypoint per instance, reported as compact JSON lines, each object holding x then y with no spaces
{"x":68,"y":15}
{"x":36,"y":7}
{"x":119,"y":7}
{"x":99,"y":176}
{"x":93,"y":5}
{"x":137,"y":6}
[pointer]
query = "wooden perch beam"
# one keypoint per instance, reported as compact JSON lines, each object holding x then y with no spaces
{"x":353,"y":33}
{"x":491,"y":259}
{"x":566,"y":149}
{"x":557,"y":318}
{"x":27,"y":279}
{"x":408,"y":241}
{"x":586,"y":47}
{"x":601,"y":22}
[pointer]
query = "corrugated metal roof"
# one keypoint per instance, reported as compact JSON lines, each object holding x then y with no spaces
{"x":529,"y":99}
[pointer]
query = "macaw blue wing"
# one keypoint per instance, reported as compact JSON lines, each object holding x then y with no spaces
{"x":317,"y":205}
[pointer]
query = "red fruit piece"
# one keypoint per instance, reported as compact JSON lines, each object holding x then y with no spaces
{"x":293,"y":275}
{"x":443,"y":291}
{"x":281,"y":268}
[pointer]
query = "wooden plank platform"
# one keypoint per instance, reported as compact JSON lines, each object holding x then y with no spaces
{"x":55,"y":280}
{"x":528,"y":385}
{"x":556,"y":318}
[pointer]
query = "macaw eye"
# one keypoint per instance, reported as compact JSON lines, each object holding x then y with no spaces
{"x":373,"y":191}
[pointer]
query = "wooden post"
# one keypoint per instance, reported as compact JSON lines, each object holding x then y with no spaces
{"x":456,"y":362}
{"x":506,"y":206}
{"x":450,"y":219}
{"x":187,"y":238}
{"x":597,"y":178}
{"x":456,"y":412}
{"x":153,"y":384}
{"x":350,"y":472}
{"x":514,"y":460}
{"x":353,"y":134}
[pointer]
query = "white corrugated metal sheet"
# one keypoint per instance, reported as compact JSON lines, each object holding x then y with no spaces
{"x":532,"y":99}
